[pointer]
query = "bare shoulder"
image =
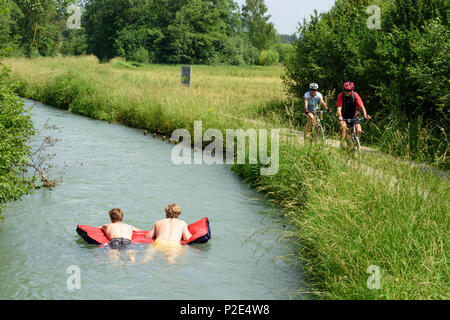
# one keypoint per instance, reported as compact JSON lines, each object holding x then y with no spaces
{"x":183,"y":223}
{"x":159,"y":222}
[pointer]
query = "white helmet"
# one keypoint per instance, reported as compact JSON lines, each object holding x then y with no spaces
{"x":313,"y":86}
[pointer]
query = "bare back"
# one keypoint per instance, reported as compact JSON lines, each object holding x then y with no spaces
{"x":119,"y":230}
{"x":171,"y":230}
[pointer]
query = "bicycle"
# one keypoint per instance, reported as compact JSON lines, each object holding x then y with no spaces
{"x":353,"y":145}
{"x":319,"y":131}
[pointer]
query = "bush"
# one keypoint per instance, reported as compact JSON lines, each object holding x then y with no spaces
{"x":34,"y":53}
{"x":345,"y":218}
{"x":284,"y":50}
{"x":138,"y":44}
{"x":237,"y":50}
{"x":250,"y":53}
{"x":268,"y":58}
{"x":16,"y":128}
{"x":141,"y":55}
{"x":74,"y":42}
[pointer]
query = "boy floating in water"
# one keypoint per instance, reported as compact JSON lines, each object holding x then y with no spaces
{"x":168,"y":233}
{"x":119,"y":234}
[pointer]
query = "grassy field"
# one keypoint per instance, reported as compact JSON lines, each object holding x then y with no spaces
{"x":150,"y":96}
{"x":346,"y":217}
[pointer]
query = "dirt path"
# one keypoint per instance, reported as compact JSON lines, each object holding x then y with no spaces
{"x":297,"y":136}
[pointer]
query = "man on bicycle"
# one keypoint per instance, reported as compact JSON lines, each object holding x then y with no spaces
{"x":347,"y":107}
{"x":312,"y":100}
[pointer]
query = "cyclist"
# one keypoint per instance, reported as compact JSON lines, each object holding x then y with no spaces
{"x":347,"y":107}
{"x":312,"y":100}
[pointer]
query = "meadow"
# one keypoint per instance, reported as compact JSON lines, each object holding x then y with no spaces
{"x":149,"y":96}
{"x":345,"y":217}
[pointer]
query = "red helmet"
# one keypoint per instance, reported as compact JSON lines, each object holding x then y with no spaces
{"x":349,"y":86}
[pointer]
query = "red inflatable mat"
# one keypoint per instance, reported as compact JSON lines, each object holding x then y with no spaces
{"x":200,"y":231}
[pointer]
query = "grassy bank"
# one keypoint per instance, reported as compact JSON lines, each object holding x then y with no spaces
{"x":383,"y":214}
{"x":148,"y":97}
{"x":346,"y":217}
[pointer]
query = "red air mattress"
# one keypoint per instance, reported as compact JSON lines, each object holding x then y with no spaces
{"x":200,"y":231}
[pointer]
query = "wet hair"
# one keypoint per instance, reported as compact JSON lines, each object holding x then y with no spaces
{"x":116,"y":215}
{"x":173,"y":211}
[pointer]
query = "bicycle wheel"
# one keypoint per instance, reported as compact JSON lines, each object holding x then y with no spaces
{"x":356,"y":148}
{"x":306,"y":136}
{"x":321,"y":133}
{"x":318,"y":132}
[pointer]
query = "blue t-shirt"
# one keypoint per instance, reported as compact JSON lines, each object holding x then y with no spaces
{"x":313,"y":103}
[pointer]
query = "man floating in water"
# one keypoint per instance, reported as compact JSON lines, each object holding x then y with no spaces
{"x":119,"y":234}
{"x":168,"y":233}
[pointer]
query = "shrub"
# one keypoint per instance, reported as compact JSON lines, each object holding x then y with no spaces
{"x":268,"y":58}
{"x":284,"y":50}
{"x":16,"y":128}
{"x":141,"y":55}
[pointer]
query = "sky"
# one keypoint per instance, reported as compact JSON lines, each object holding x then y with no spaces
{"x":286,"y":14}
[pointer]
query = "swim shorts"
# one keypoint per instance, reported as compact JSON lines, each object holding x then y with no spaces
{"x":161,"y":243}
{"x":168,"y":246}
{"x":119,"y":243}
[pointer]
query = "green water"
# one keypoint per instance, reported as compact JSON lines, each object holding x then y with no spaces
{"x":105,"y":166}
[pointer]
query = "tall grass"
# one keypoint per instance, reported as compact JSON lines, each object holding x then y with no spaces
{"x":150,"y":89}
{"x":416,"y":140}
{"x":350,"y":217}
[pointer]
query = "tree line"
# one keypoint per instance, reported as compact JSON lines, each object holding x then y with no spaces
{"x":153,"y":31}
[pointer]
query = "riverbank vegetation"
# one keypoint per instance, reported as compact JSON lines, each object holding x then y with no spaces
{"x":349,"y":219}
{"x":16,"y":128}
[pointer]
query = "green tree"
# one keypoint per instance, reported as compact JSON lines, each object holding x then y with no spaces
{"x":131,"y":39}
{"x":103,"y":19}
{"x":198,"y":31}
{"x":74,"y":42}
{"x":39,"y":25}
{"x":284,"y":50}
{"x":255,"y":22}
{"x":10,"y":36}
{"x":268,"y":57}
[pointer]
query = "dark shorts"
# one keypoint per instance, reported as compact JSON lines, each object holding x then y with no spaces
{"x":119,"y":243}
{"x":350,"y":121}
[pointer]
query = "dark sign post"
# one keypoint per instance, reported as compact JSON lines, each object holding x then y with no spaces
{"x":186,"y":72}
